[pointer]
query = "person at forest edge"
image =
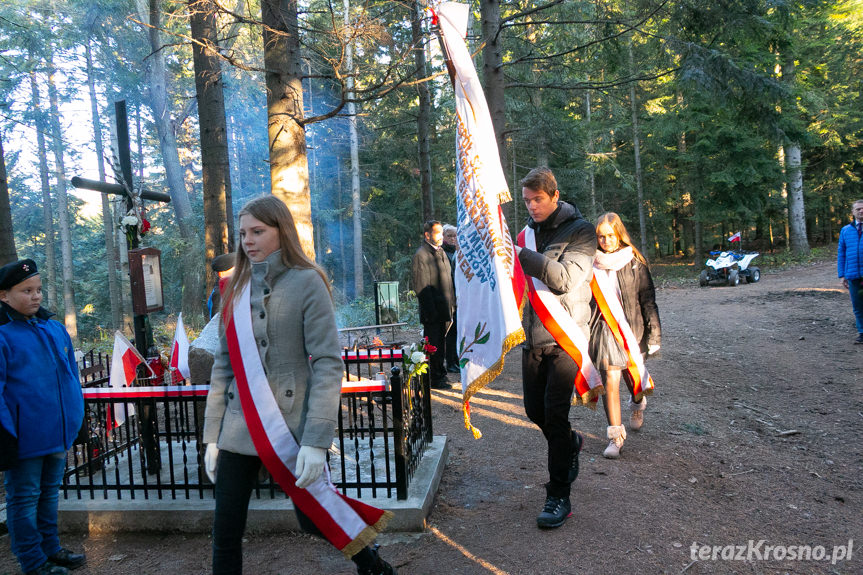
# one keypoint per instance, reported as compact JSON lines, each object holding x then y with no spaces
{"x":450,"y":246}
{"x":431,"y":280}
{"x":850,"y":263}
{"x":561,"y":257}
{"x":41,"y":404}
{"x":624,"y":324}
{"x":274,"y":394}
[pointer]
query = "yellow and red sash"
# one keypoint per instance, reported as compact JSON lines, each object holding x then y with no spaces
{"x":561,"y":326}
{"x":605,"y":295}
{"x":348,"y":524}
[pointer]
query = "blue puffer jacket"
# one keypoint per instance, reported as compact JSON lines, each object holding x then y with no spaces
{"x":40,"y":393}
{"x":850,"y":256}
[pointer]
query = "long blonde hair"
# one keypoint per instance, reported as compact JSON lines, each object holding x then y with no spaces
{"x":273,"y":212}
{"x":616,"y":224}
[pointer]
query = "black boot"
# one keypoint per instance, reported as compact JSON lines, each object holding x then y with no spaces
{"x":48,"y":568}
{"x":554,"y":513}
{"x":577,"y":442}
{"x":68,"y":559}
{"x":369,"y":562}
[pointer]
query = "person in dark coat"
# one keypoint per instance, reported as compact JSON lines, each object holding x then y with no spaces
{"x":431,"y":280}
{"x":450,"y":246}
{"x":563,"y":261}
{"x":626,"y":268}
{"x":41,"y":411}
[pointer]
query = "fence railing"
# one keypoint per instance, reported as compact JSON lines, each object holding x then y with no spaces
{"x":384,"y":425}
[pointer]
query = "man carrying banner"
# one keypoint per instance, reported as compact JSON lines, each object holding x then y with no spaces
{"x":556,"y":252}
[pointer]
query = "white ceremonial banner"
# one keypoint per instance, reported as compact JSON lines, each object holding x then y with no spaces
{"x":489,"y":322}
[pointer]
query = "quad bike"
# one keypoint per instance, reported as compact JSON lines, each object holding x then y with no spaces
{"x":729,"y":268}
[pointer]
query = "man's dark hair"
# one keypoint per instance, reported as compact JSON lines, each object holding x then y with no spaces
{"x":540,"y":180}
{"x":427,"y":227}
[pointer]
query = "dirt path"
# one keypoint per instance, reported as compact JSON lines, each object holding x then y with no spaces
{"x":754,"y":433}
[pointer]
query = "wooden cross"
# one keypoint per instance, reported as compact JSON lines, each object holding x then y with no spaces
{"x":143,"y":332}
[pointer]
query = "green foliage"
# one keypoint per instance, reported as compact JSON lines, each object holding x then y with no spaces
{"x":712,"y":111}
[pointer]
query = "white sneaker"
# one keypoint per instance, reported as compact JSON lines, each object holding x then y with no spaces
{"x":616,"y":434}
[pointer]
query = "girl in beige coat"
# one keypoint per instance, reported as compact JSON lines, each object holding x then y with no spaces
{"x":292,"y":321}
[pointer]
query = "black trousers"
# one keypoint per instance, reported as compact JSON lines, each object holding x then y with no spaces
{"x":235,"y":478}
{"x":548,"y":379}
{"x":436,"y":332}
{"x":451,"y":343}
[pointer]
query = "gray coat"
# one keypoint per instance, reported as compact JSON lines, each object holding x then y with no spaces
{"x":566,"y":245}
{"x":292,"y":319}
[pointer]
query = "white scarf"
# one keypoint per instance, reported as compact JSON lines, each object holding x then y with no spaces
{"x":613,"y":261}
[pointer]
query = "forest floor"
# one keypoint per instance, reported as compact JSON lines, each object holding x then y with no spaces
{"x":753,"y":439}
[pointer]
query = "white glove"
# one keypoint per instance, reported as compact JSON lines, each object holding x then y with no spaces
{"x":310,"y":465}
{"x":210,"y":458}
{"x":652,"y":348}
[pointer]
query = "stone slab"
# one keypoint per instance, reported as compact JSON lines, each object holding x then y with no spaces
{"x":265,"y":515}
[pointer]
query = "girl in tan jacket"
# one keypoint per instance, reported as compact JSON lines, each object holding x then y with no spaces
{"x":293,"y":325}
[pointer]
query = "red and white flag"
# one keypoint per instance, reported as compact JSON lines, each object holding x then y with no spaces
{"x":124,"y":364}
{"x":489,"y":322}
{"x":180,"y":351}
{"x":735,"y":237}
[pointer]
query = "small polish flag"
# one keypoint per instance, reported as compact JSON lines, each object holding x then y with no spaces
{"x":180,"y":351}
{"x":735,"y":237}
{"x":124,"y":363}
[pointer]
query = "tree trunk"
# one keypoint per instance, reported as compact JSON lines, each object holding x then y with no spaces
{"x":69,"y":312}
{"x":796,"y":210}
{"x":590,"y":151}
{"x":492,"y":70}
{"x":50,"y":269}
{"x":215,"y":167}
{"x":424,"y":115}
{"x":289,"y":168}
{"x":356,"y":200}
{"x":107,"y":213}
{"x":642,"y":222}
{"x":698,"y":237}
{"x":7,"y":238}
{"x":193,"y":288}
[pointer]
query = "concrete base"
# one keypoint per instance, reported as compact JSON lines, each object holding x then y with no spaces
{"x":265,"y":515}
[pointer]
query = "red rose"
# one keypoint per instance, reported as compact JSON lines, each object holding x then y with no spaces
{"x":145,"y":226}
{"x":429,"y":348}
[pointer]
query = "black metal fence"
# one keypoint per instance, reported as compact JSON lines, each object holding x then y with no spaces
{"x":384,"y":425}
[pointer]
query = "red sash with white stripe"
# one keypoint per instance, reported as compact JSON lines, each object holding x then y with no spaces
{"x":561,"y":326}
{"x":348,"y":524}
{"x":606,"y":298}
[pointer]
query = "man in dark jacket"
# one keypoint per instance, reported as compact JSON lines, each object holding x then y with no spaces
{"x":431,"y":280}
{"x":42,"y":407}
{"x":450,"y":246}
{"x":563,"y":261}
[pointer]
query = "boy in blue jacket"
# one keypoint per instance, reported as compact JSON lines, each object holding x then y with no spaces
{"x":850,"y":264}
{"x":41,"y":410}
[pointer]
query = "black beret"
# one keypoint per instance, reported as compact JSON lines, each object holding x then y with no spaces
{"x":223,"y":262}
{"x":16,"y":272}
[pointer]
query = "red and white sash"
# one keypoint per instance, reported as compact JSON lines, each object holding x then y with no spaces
{"x":348,"y":524}
{"x":561,"y":326}
{"x":609,"y":305}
